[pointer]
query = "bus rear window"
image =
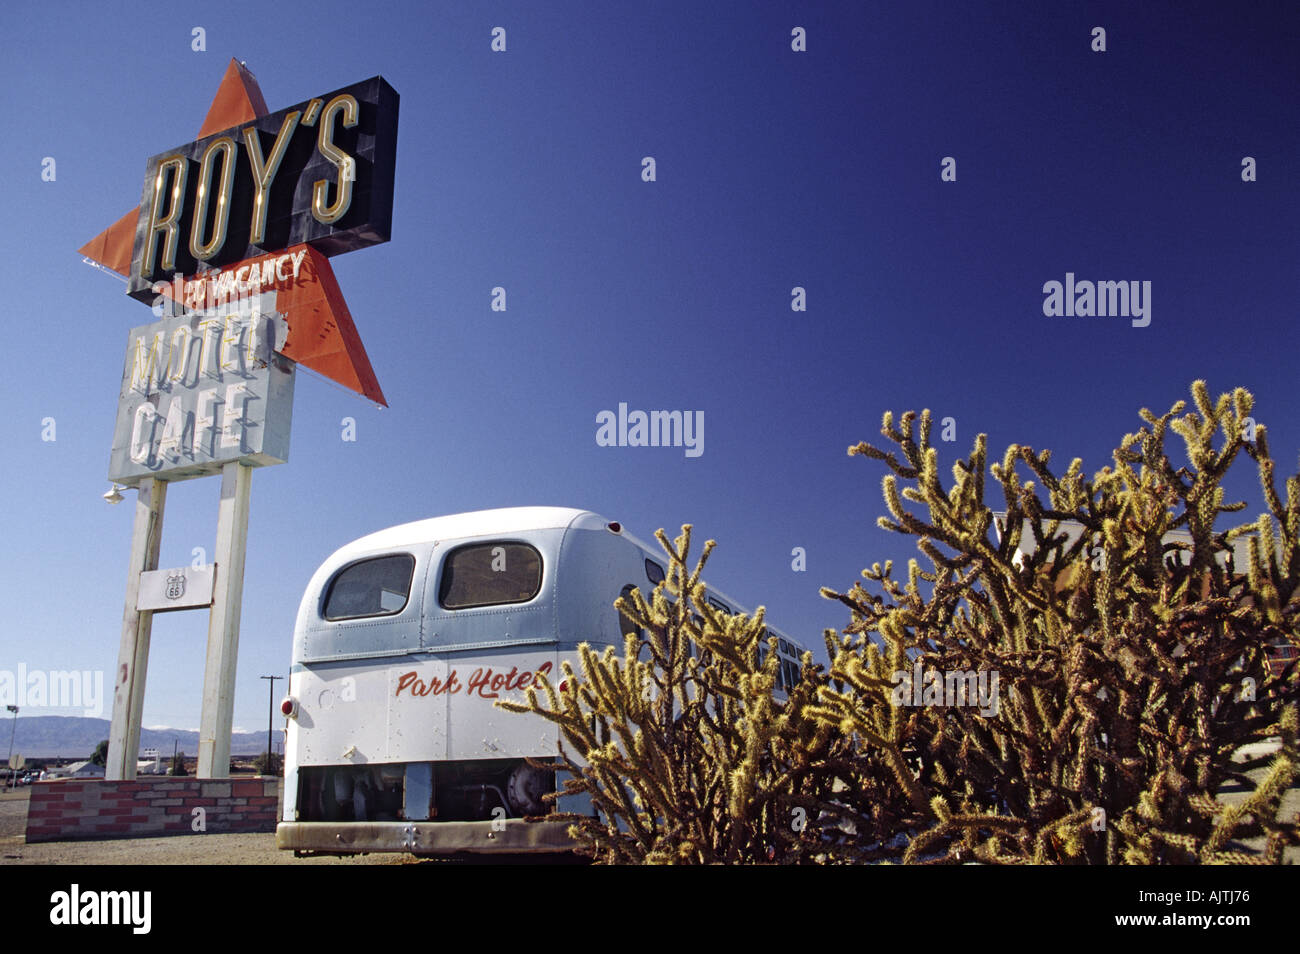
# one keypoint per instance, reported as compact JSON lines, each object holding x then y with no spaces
{"x":378,"y":587}
{"x":490,"y":573}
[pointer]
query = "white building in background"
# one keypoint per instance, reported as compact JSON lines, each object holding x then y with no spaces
{"x":1072,"y":530}
{"x":1279,"y":654}
{"x":150,"y":763}
{"x":85,"y":769}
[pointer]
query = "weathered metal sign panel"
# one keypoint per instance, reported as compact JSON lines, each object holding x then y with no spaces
{"x":202,"y":390}
{"x":184,"y":587}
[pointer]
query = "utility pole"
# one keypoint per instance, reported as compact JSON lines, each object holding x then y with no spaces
{"x":270,"y":720}
{"x":14,"y":710}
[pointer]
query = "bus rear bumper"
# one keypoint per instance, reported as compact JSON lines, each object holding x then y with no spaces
{"x":426,"y":837}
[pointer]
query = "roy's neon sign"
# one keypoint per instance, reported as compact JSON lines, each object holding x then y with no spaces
{"x":320,"y":172}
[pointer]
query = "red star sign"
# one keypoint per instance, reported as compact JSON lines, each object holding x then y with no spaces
{"x":322,"y":335}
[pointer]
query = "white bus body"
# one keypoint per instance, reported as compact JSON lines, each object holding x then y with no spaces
{"x":404,"y":639}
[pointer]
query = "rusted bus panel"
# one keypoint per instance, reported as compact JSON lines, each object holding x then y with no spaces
{"x":427,"y":838}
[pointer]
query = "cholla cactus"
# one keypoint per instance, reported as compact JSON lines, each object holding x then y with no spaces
{"x":1132,"y":664}
{"x":685,"y":747}
{"x":1124,"y":654}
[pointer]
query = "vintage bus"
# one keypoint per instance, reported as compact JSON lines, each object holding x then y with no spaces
{"x":404,"y":639}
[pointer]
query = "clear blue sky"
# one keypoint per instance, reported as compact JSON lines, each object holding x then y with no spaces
{"x":775,"y":169}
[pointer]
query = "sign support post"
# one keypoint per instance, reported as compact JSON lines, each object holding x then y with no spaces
{"x":217,"y":716}
{"x":210,"y":386}
{"x":137,"y":626}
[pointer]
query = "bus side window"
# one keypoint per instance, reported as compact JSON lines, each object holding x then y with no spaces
{"x":625,"y":623}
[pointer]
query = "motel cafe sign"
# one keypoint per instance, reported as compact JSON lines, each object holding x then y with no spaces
{"x":202,"y":389}
{"x":230,"y":245}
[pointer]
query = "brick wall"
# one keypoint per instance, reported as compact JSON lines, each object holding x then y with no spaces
{"x":70,"y":810}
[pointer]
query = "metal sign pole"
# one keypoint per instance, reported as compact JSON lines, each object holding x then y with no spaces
{"x":137,"y":625}
{"x":217,"y":717}
{"x":163,"y":426}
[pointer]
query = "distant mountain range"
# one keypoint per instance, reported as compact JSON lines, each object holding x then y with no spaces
{"x":76,"y":737}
